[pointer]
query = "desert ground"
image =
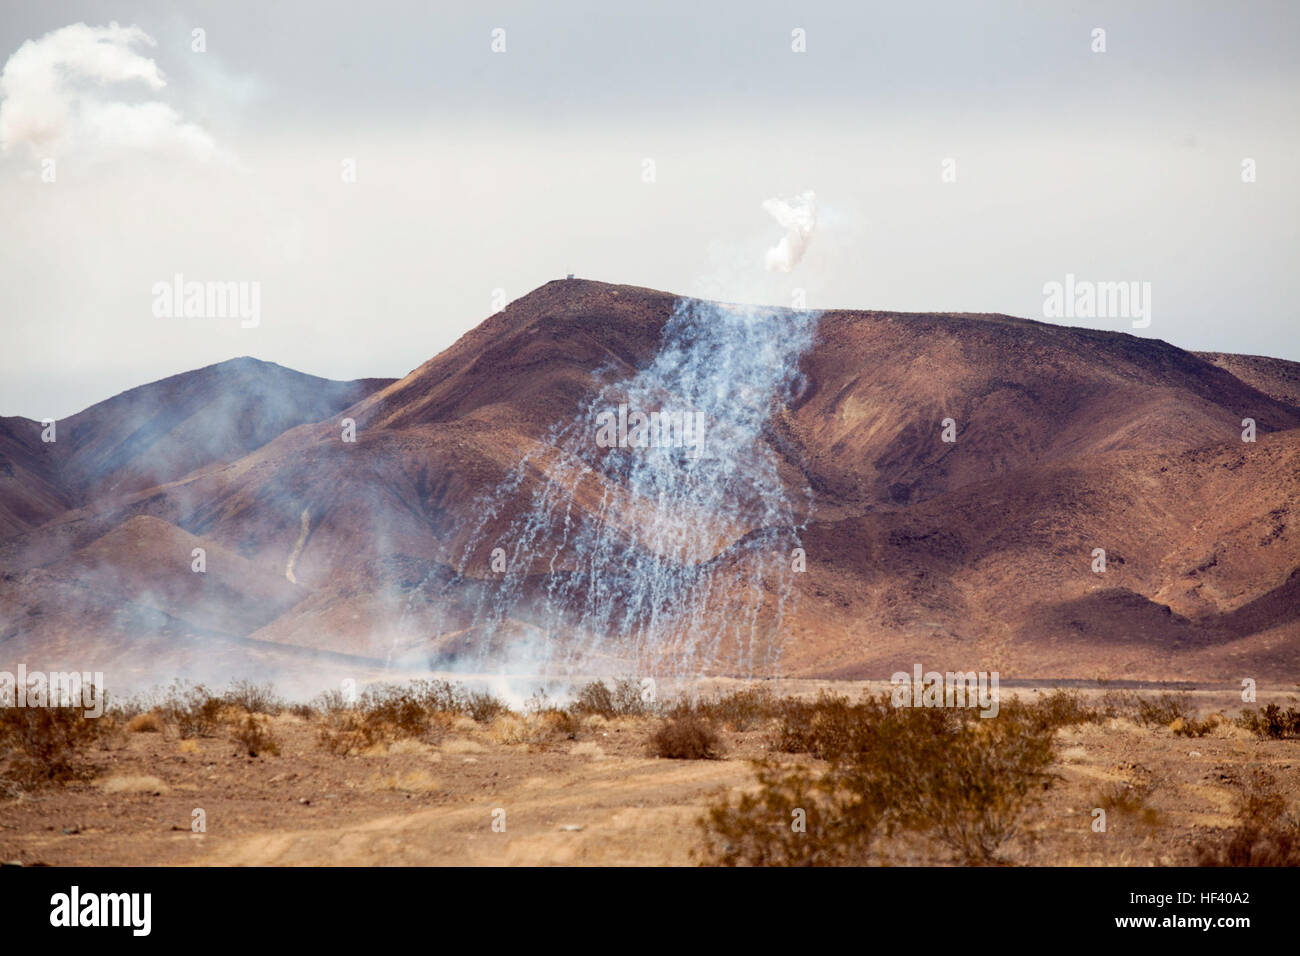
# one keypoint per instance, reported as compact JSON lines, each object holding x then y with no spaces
{"x":590,"y":794}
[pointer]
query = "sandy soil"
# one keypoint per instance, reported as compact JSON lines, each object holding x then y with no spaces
{"x":596,"y":799}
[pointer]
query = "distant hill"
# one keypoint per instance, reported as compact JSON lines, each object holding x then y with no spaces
{"x":973,"y":554}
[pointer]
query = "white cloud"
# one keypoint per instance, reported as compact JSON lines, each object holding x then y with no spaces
{"x":798,"y":217}
{"x":63,"y":94}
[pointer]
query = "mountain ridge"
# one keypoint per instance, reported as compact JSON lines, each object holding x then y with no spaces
{"x":1068,"y":440}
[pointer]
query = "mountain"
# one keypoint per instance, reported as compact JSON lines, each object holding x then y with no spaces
{"x":157,"y":433}
{"x":976,"y":553}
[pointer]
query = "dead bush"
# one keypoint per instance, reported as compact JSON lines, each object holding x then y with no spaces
{"x":550,"y":719}
{"x":1195,"y":727}
{"x":1266,"y":834}
{"x":1129,"y":800}
{"x":685,"y":737}
{"x":150,"y":722}
{"x":1272,"y":722}
{"x":344,"y":732}
{"x":483,"y":707}
{"x":822,"y":728}
{"x":738,"y":711}
{"x":254,"y":698}
{"x":1060,"y":708}
{"x":192,"y":709}
{"x":388,"y":713}
{"x":47,"y":744}
{"x":624,"y":699}
{"x":253,"y":734}
{"x":968,"y":784}
{"x":1164,"y":710}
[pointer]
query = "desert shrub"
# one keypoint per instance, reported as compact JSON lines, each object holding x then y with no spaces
{"x":150,"y":722}
{"x":1060,"y":708}
{"x":125,"y":709}
{"x":345,"y":732}
{"x":1195,"y":727}
{"x":483,"y":707}
{"x":1117,"y":703}
{"x":510,"y":729}
{"x":685,"y":737}
{"x":823,"y":728}
{"x":253,"y":733}
{"x":551,"y":719}
{"x":386,"y":713}
{"x":304,"y":710}
{"x":192,"y":709}
{"x":441,"y":695}
{"x":739,"y":710}
{"x":254,"y":698}
{"x":622,"y":700}
{"x":1164,"y":710}
{"x":1129,"y":800}
{"x":397,"y":709}
{"x":331,"y":701}
{"x":558,"y":722}
{"x":964,"y":783}
{"x":1272,"y":721}
{"x":47,"y":744}
{"x":1266,"y":834}
{"x":795,"y":819}
{"x":594,"y":698}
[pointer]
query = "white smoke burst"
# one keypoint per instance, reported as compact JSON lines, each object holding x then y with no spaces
{"x":798,"y":217}
{"x":58,"y":97}
{"x":651,"y":560}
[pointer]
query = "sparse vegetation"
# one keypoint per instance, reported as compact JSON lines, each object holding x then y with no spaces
{"x":422,"y":710}
{"x":254,"y":698}
{"x":963,"y":783}
{"x":1129,"y":801}
{"x":837,"y":781}
{"x":1272,"y":722}
{"x":191,"y":709}
{"x":738,"y":711}
{"x":553,"y":720}
{"x":253,"y":733}
{"x":149,"y":722}
{"x":1164,"y":710}
{"x":1064,"y":708}
{"x":47,"y":744}
{"x":685,"y":737}
{"x":622,"y":700}
{"x":1196,"y":727}
{"x":1266,"y":834}
{"x":794,"y":819}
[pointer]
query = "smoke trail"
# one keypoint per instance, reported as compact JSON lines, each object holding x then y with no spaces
{"x":669,"y":553}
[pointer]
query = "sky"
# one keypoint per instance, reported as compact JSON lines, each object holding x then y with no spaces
{"x":384,"y":178}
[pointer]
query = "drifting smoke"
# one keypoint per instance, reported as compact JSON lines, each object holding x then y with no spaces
{"x":798,"y":217}
{"x":654,"y":557}
{"x":52,"y":100}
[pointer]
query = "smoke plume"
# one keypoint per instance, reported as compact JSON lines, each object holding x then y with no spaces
{"x":798,"y":217}
{"x":62,"y":93}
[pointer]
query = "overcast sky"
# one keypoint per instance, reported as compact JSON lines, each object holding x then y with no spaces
{"x":479,"y":171}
